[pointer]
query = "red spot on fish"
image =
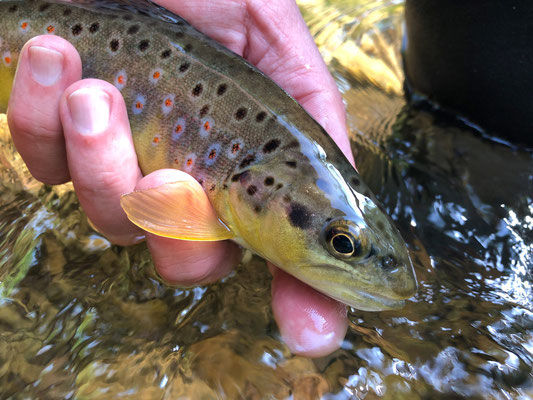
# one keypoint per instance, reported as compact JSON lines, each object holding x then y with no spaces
{"x":207,"y":126}
{"x":178,"y":129}
{"x":235,"y":148}
{"x":7,"y":60}
{"x":176,"y":161}
{"x":189,"y":162}
{"x":212,"y":154}
{"x":156,"y":139}
{"x":120,"y":79}
{"x":139,"y":105}
{"x":156,"y":75}
{"x":50,"y":29}
{"x":24,"y":25}
{"x":168,"y":102}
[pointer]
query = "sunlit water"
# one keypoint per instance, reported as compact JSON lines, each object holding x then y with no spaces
{"x":82,"y":319}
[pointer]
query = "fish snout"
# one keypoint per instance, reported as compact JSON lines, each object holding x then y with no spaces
{"x":401,"y":277}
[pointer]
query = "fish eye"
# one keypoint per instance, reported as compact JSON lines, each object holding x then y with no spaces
{"x":345,"y":245}
{"x":344,"y":240}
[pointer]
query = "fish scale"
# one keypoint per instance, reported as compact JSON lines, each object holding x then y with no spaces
{"x":274,"y":176}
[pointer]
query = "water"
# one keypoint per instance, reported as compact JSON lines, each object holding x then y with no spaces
{"x":82,"y":319}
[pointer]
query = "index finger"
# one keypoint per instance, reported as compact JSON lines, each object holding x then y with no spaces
{"x":47,"y":66}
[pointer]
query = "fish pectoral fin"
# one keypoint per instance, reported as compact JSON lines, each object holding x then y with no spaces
{"x":178,"y":210}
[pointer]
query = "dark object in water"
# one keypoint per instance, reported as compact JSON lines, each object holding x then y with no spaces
{"x":474,"y":58}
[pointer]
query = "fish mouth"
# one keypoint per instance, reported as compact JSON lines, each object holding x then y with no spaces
{"x":355,"y":297}
{"x":365,"y":301}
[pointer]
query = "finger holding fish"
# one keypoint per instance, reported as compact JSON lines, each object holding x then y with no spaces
{"x":47,"y":66}
{"x":100,"y":154}
{"x":310,"y":323}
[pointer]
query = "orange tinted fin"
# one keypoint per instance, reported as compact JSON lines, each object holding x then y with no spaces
{"x":179,"y":210}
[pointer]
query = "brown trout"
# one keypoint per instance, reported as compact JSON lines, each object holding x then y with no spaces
{"x":278,"y":183}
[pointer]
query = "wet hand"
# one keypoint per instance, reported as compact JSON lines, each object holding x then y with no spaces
{"x":66,"y":129}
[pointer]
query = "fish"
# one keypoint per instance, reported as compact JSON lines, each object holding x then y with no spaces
{"x":277,"y":183}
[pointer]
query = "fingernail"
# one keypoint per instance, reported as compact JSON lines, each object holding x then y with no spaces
{"x":89,"y":109}
{"x":46,"y":65}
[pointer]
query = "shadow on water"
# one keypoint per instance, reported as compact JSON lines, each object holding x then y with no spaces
{"x":82,"y":319}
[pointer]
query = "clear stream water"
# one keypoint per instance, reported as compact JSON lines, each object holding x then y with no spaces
{"x":82,"y":319}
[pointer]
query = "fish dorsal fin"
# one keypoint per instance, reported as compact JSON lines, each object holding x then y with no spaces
{"x":178,"y":210}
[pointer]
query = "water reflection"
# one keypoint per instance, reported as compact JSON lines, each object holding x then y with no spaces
{"x":80,"y":318}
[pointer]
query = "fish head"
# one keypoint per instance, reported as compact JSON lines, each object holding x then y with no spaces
{"x":371,"y":267}
{"x":324,"y":229}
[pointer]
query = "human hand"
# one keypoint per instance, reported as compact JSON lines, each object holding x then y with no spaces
{"x":78,"y":129}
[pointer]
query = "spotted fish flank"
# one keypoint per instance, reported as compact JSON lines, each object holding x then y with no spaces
{"x":278,"y":184}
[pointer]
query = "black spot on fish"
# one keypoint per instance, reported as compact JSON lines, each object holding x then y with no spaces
{"x":224,"y":186}
{"x":287,"y":198}
{"x":222,"y":89}
{"x":184,"y":67}
{"x":67,"y":12}
{"x":179,"y":35}
{"x":269,"y":181}
{"x":260,"y":117}
{"x":188,"y":47}
{"x":12,"y":9}
{"x":258,"y":209}
{"x":380,"y":225}
{"x":180,"y":23}
{"x":44,"y":7}
{"x":197,"y":90}
{"x":299,"y":216}
{"x":144,"y":44}
{"x":201,"y":182}
{"x":127,"y":17}
{"x":279,"y":186}
{"x":213,"y":187}
{"x":271,"y":145}
{"x":132,"y":30}
{"x":250,"y":158}
{"x":355,"y":181}
{"x":252,"y":189}
{"x":204,"y":110}
{"x":241,"y":114}
{"x":77,"y":29}
{"x":291,"y":164}
{"x":114,"y":45}
{"x":166,"y":53}
{"x":94,"y":27}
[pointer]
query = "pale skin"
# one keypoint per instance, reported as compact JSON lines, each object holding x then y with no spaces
{"x":67,"y":129}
